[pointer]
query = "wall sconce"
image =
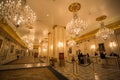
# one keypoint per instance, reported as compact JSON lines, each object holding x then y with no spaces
{"x":60,"y":44}
{"x":39,"y":49}
{"x":112,"y":44}
{"x":44,"y":50}
{"x":51,"y":47}
{"x":27,"y":50}
{"x":93,"y":47}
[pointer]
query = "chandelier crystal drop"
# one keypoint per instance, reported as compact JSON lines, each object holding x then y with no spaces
{"x":17,"y":12}
{"x":103,"y":32}
{"x":77,"y":24}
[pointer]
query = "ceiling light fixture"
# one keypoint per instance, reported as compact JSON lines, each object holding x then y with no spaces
{"x":17,"y":12}
{"x":71,"y":43}
{"x":28,"y":40}
{"x":76,"y":25}
{"x":103,"y":32}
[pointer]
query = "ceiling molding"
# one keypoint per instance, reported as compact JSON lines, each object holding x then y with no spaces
{"x":36,"y":46}
{"x":12,"y":33}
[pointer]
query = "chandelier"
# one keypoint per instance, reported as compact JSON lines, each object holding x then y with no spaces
{"x":17,"y":12}
{"x":28,"y":40}
{"x":45,"y":45}
{"x":103,"y":32}
{"x":76,"y":25}
{"x":71,"y":43}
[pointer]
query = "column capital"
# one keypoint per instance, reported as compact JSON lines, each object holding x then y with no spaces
{"x":54,"y":26}
{"x":49,"y":33}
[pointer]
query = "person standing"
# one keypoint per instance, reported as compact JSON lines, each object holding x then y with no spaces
{"x":80,"y":57}
{"x":96,"y":54}
{"x":103,"y":57}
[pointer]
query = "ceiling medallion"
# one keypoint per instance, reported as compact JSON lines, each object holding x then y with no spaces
{"x":103,"y":32}
{"x":30,"y":27}
{"x":103,"y":17}
{"x":74,"y":7}
{"x":76,"y":25}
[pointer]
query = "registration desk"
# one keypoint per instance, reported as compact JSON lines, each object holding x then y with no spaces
{"x":110,"y":60}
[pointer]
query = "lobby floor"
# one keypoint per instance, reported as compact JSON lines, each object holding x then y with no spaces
{"x":28,"y":68}
{"x":90,"y":72}
{"x":28,"y":74}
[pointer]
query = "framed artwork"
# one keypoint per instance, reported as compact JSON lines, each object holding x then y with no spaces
{"x":1,"y":41}
{"x":12,"y":49}
{"x":4,"y":54}
{"x":101,"y":47}
{"x":17,"y":51}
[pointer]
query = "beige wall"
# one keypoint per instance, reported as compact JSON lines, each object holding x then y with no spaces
{"x":6,"y":55}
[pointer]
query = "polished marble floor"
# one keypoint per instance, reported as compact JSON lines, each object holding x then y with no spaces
{"x":25,"y":60}
{"x":93,"y":71}
{"x":72,"y":72}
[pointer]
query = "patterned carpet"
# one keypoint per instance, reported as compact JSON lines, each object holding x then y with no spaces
{"x":28,"y":74}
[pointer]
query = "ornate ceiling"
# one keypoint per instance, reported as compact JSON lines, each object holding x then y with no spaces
{"x":55,"y":12}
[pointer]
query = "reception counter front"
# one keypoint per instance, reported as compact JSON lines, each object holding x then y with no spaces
{"x":110,"y":60}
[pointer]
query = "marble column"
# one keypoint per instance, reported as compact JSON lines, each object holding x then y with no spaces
{"x":50,"y":44}
{"x":57,"y":42}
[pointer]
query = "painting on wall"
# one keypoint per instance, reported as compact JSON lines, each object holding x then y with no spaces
{"x":101,"y":47}
{"x":1,"y":41}
{"x":12,"y":49}
{"x":4,"y":54}
{"x":17,"y":51}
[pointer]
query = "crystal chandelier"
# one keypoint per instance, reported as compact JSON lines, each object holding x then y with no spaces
{"x":76,"y":25}
{"x":103,"y":32}
{"x":17,"y":12}
{"x":71,"y":43}
{"x":44,"y":45}
{"x":28,"y":40}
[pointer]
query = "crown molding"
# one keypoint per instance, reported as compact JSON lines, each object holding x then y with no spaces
{"x":5,"y":27}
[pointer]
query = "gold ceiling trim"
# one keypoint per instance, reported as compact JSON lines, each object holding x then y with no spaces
{"x":12,"y":33}
{"x":54,"y":26}
{"x":115,"y":25}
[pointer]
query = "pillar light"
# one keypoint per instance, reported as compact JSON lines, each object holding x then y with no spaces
{"x":60,"y":44}
{"x":112,"y":44}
